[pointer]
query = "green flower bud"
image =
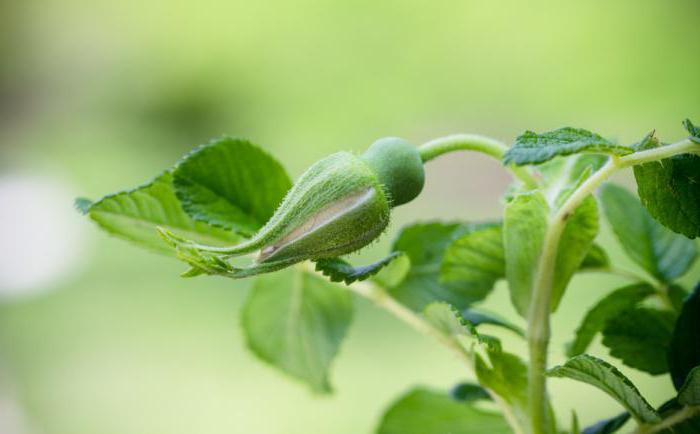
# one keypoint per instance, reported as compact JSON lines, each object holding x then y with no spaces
{"x":339,"y":205}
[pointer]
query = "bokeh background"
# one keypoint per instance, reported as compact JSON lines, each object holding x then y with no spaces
{"x":97,"y":336}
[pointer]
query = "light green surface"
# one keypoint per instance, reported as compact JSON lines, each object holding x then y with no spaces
{"x":108,"y":94}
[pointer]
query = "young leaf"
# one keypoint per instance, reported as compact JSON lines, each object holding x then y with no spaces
{"x":533,"y":148}
{"x":475,"y":259}
{"x":670,"y":190}
{"x":424,"y":245}
{"x":526,"y":219}
{"x":596,"y":259}
{"x":690,"y":391}
{"x":610,"y":306}
{"x":469,"y":392}
{"x":607,"y":378}
{"x":478,"y":317}
{"x":340,"y":271}
{"x":426,"y":412}
{"x":639,"y":336}
{"x":450,"y":322}
{"x":576,"y":241}
{"x":608,"y":426}
{"x":135,"y":214}
{"x":684,"y":354}
{"x":524,"y":228}
{"x":693,"y":130}
{"x":662,"y":253}
{"x":231,"y":183}
{"x":507,"y":377}
{"x":296,"y":320}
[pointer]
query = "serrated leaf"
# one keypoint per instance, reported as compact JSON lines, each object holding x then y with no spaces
{"x":693,"y":130}
{"x":296,"y":321}
{"x":525,"y":224}
{"x":231,"y":183}
{"x":469,"y":392}
{"x":422,"y":411}
{"x":450,"y":322}
{"x":608,"y":426}
{"x":639,"y":337}
{"x":478,"y":317}
{"x":604,"y":376}
{"x":136,"y":214}
{"x":424,"y":245}
{"x":563,"y":175}
{"x":689,"y":394}
{"x":610,"y":306}
{"x":684,"y":354}
{"x":670,"y":190}
{"x":657,"y":250}
{"x":394,"y":272}
{"x":339,"y":270}
{"x":534,"y":148}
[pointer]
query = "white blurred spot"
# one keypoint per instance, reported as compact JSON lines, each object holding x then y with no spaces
{"x":40,"y":234}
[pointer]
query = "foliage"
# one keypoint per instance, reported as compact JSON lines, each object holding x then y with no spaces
{"x":230,"y":199}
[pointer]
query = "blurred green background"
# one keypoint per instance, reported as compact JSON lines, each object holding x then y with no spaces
{"x":99,"y":337}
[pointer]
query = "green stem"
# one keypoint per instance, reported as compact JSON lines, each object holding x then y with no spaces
{"x":686,"y":146}
{"x":538,"y":318}
{"x":383,"y":300}
{"x":474,"y":142}
{"x":684,"y":414}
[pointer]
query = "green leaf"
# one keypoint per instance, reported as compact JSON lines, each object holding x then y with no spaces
{"x":690,"y":391}
{"x":693,"y":130}
{"x":533,"y":148}
{"x":469,"y":392}
{"x":424,"y":245}
{"x":575,"y":243}
{"x":83,"y":205}
{"x":670,"y":190}
{"x":596,"y":259}
{"x":231,"y":183}
{"x":684,"y":354}
{"x":639,"y":337}
{"x":609,"y":307}
{"x":506,"y":376}
{"x":394,"y":272}
{"x":524,"y":227}
{"x":657,"y":250}
{"x":135,"y":214}
{"x":423,"y":411}
{"x":478,"y":317}
{"x":339,"y":270}
{"x":525,"y":224}
{"x":563,"y":175}
{"x":450,"y":322}
{"x":608,"y":426}
{"x":296,"y":320}
{"x":475,"y":259}
{"x":607,"y":378}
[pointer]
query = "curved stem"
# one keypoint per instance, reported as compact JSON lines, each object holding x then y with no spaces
{"x":473,"y":142}
{"x":538,"y":318}
{"x":674,"y":419}
{"x":382,"y":299}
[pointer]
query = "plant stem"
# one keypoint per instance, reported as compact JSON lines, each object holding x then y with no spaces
{"x":683,"y":147}
{"x":538,"y":318}
{"x":382,"y":299}
{"x":474,"y":142}
{"x":676,"y":418}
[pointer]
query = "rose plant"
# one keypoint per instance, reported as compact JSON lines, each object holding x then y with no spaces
{"x":229,"y":209}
